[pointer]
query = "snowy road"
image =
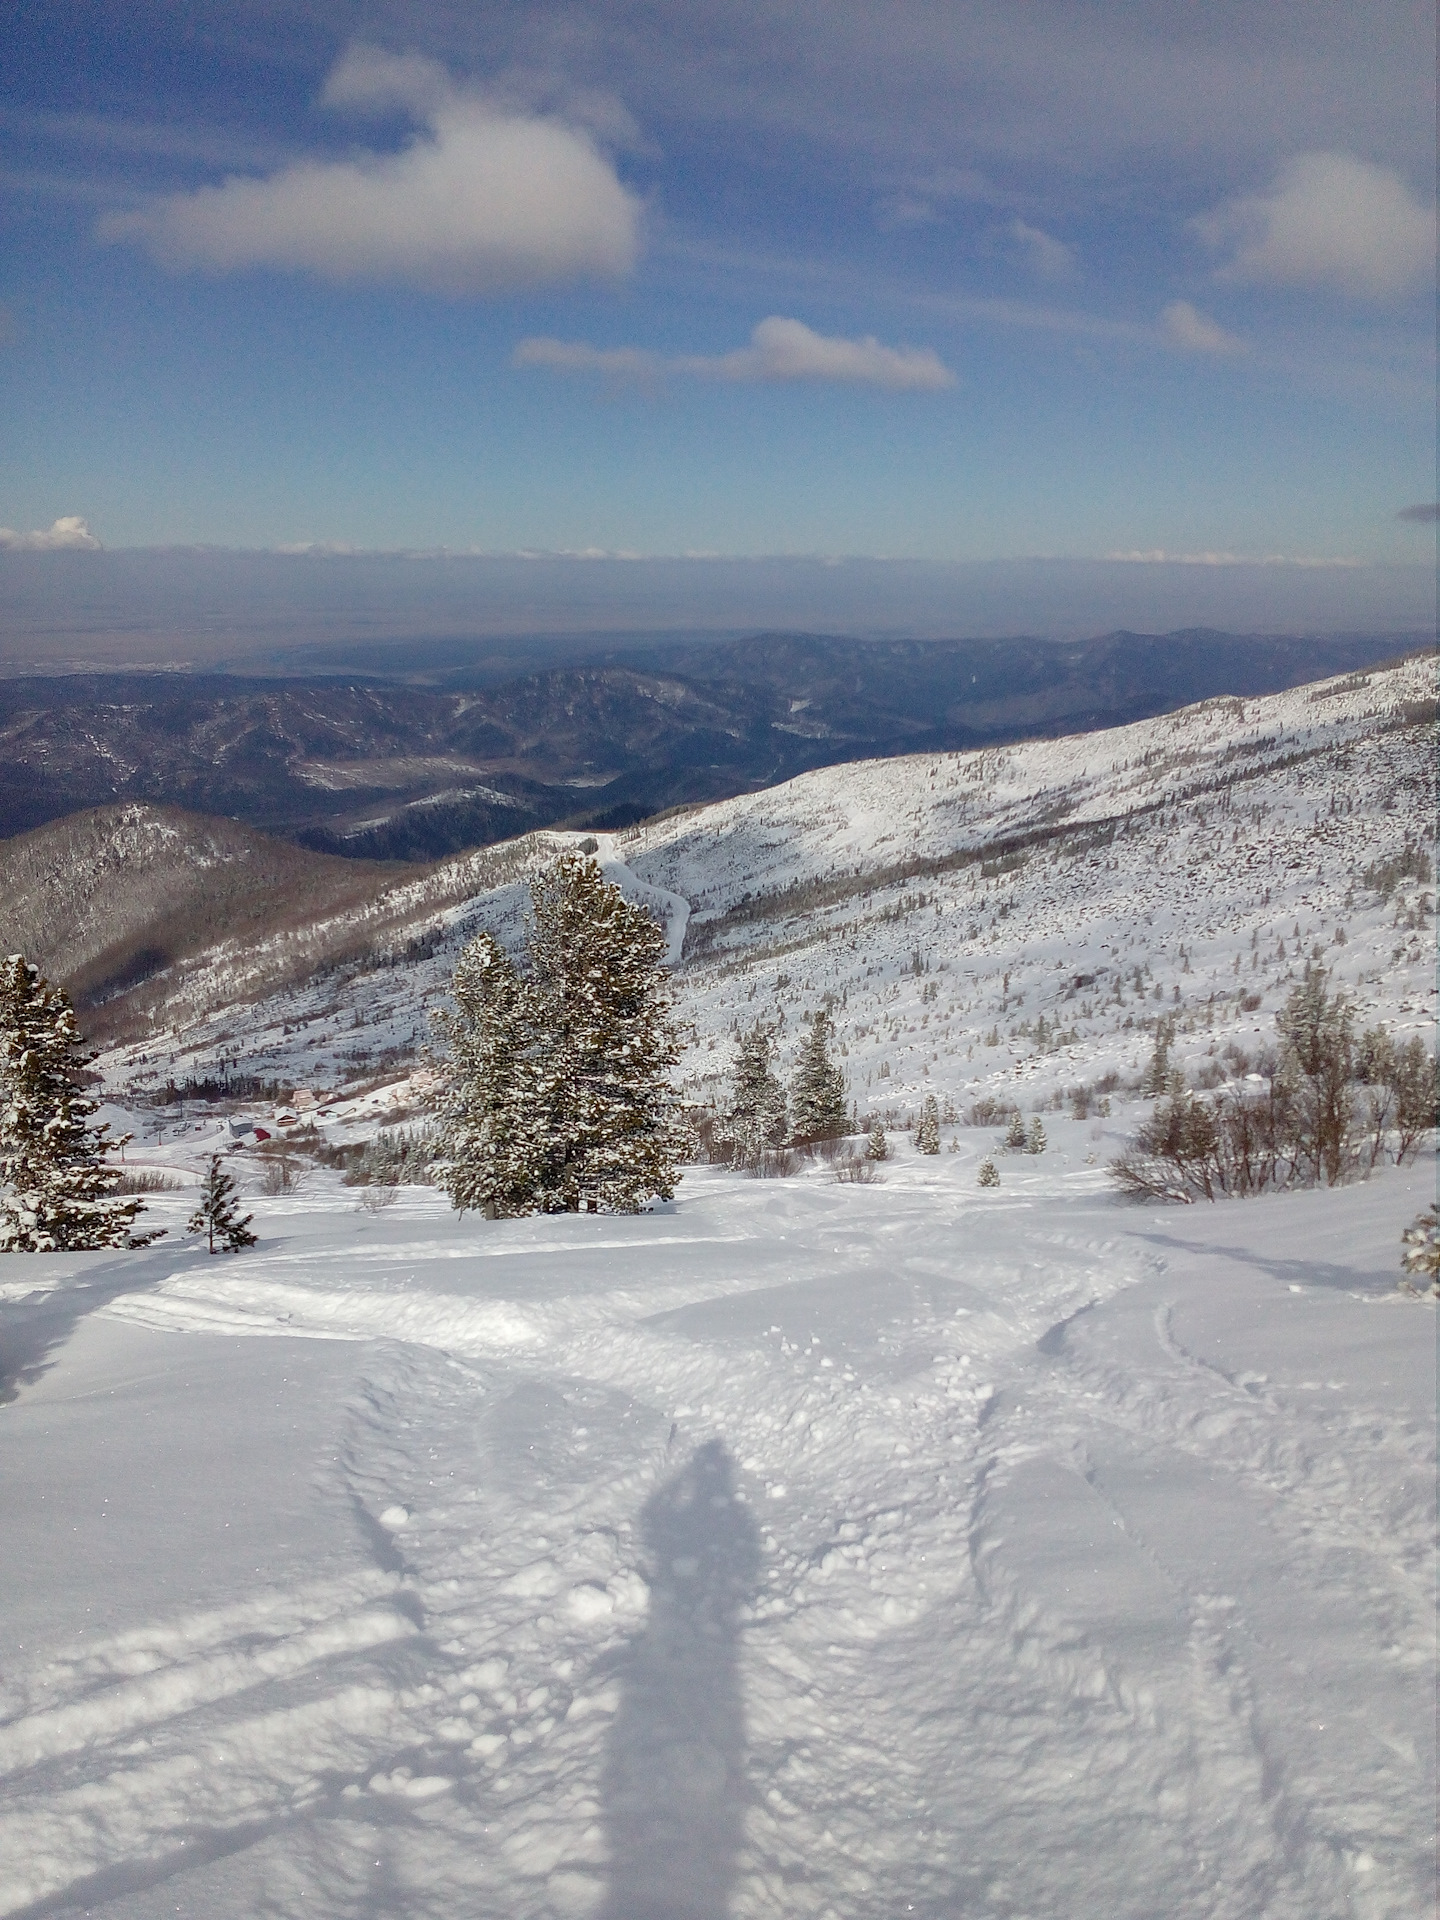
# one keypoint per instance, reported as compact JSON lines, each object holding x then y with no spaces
{"x":802,"y":1549}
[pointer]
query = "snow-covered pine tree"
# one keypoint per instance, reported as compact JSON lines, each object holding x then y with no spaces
{"x":490,"y":1111}
{"x":817,"y":1095}
{"x":57,"y":1180}
{"x":558,"y":1095}
{"x":877,"y":1147}
{"x":1035,"y":1139}
{"x":1015,"y":1136}
{"x":756,"y":1117}
{"x":603,"y":1046}
{"x":217,"y":1215}
{"x":989,"y":1175}
{"x":927,"y":1133}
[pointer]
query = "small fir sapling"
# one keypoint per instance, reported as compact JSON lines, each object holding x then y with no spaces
{"x":1016,"y":1139}
{"x":878,"y":1147}
{"x":1421,"y":1256}
{"x":217,"y":1216}
{"x":989,"y":1174}
{"x":927,"y":1134}
{"x":1035,"y":1139}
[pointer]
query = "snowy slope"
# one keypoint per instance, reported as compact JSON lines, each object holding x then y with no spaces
{"x":949,"y":904}
{"x":799,"y":1549}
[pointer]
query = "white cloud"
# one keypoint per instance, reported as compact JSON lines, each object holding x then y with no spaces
{"x":1195,"y":332}
{"x":779,"y":350}
{"x":1046,"y":257}
{"x":69,"y":531}
{"x":1158,"y":557}
{"x":1329,"y":218}
{"x":484,"y":198}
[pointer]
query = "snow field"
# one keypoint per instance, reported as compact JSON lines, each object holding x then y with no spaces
{"x":797,"y":1549}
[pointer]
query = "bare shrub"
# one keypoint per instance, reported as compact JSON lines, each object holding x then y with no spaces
{"x":776,"y":1163}
{"x":375,"y":1198}
{"x":146,"y":1180}
{"x":857,"y":1169}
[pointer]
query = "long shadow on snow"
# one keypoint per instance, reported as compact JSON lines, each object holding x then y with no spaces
{"x":674,"y":1781}
{"x":1311,"y":1273}
{"x":33,"y":1332}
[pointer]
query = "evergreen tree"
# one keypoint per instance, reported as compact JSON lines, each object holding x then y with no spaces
{"x":1016,"y":1139}
{"x":492,"y":1129}
{"x":756,"y":1117}
{"x":817,"y":1098}
{"x":558,"y":1092}
{"x":927,"y":1134}
{"x":217,"y":1216}
{"x":989,"y":1175}
{"x":57,"y":1180}
{"x":1035,"y":1139}
{"x":878,"y":1147}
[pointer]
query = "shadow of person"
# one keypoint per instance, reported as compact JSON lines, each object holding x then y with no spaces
{"x":674,"y":1781}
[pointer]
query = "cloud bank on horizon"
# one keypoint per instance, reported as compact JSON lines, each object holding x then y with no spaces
{"x":934,"y":280}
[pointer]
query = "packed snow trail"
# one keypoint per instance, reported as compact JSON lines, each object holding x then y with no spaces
{"x":798,"y":1549}
{"x":672,"y":910}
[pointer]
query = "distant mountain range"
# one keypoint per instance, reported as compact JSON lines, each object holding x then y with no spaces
{"x":385,"y":770}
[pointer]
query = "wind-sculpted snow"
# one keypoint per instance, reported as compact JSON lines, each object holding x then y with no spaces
{"x":797,"y":1549}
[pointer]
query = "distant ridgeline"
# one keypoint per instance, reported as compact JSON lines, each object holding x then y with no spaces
{"x":386,"y":770}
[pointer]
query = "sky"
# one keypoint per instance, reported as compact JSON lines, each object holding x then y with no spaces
{"x":947,"y":281}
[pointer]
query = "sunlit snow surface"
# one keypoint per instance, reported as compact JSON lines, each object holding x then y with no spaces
{"x":799,"y":1549}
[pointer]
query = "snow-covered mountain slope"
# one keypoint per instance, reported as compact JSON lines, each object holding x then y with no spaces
{"x":978,"y":922}
{"x":802,"y":1549}
{"x":799,"y":1550}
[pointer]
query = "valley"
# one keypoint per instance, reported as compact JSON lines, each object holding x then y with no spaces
{"x":805,"y":1546}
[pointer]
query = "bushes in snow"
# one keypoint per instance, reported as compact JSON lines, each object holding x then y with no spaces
{"x":1334,"y":1108}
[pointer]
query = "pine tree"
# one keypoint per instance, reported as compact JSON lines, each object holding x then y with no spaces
{"x":1035,"y":1139}
{"x":878,"y":1147}
{"x":989,"y":1175}
{"x":817,"y":1098}
{"x":756,"y":1116}
{"x":57,"y":1181}
{"x":491,"y":1110}
{"x":558,"y":1093}
{"x":1015,"y":1136}
{"x":217,"y":1216}
{"x":927,"y":1134}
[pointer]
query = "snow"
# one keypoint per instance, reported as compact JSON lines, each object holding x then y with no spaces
{"x":797,"y":1549}
{"x":1183,"y":853}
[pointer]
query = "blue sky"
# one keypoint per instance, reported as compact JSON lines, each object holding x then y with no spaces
{"x":962,"y":282}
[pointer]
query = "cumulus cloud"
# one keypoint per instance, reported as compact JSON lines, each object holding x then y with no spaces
{"x":1186,"y":327}
{"x":1328,"y":219}
{"x":69,"y":531}
{"x":779,"y":350}
{"x":485,"y":197}
{"x":1424,"y":515}
{"x":1045,"y":256}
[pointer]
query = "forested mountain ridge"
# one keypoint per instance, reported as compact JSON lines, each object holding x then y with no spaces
{"x":385,"y":770}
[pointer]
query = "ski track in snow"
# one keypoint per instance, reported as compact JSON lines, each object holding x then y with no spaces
{"x":801,"y":1549}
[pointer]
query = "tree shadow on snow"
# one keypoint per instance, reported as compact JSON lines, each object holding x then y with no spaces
{"x":674,"y":1782}
{"x":34,"y":1331}
{"x":1310,"y":1273}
